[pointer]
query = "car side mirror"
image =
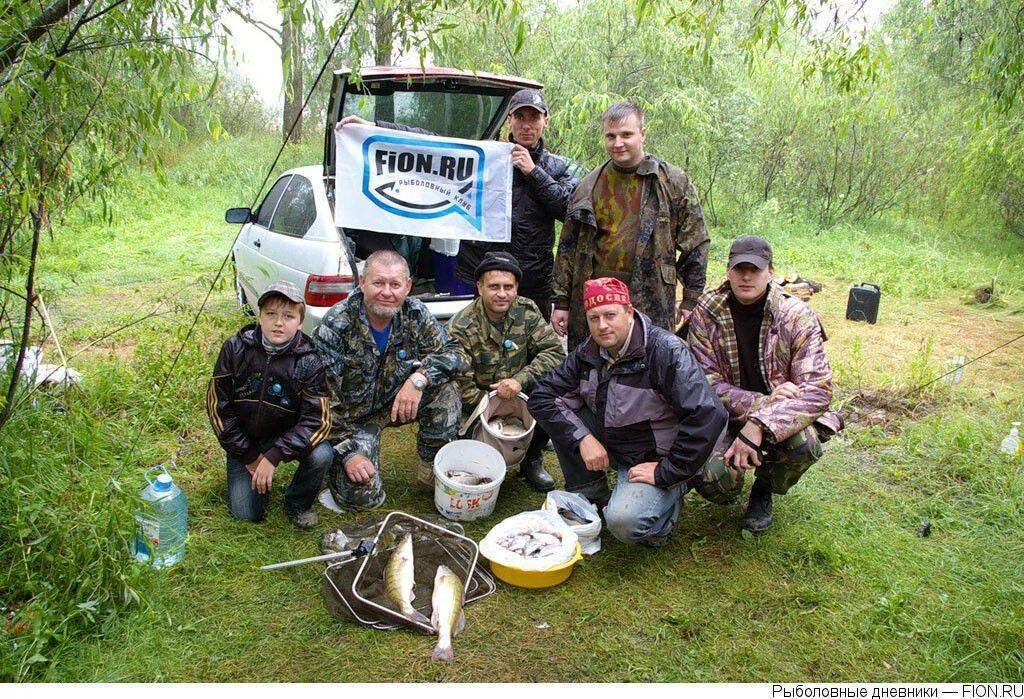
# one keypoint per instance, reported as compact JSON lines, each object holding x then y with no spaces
{"x":239,"y":215}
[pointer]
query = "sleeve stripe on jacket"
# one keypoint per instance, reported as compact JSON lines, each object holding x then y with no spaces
{"x":211,"y":408}
{"x":321,"y":434}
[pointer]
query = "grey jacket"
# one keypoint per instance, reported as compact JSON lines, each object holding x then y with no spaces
{"x":653,"y":404}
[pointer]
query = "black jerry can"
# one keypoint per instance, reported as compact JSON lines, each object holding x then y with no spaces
{"x":863,"y":302}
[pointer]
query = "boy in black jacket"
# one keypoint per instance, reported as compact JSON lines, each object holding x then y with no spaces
{"x":268,"y":403}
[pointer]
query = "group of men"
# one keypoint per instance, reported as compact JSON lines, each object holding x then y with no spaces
{"x":743,"y":384}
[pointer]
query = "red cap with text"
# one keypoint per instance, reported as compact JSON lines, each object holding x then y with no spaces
{"x":605,"y":290}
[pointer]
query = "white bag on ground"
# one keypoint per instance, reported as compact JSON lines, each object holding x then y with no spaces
{"x":589,"y":534}
{"x":525,"y":522}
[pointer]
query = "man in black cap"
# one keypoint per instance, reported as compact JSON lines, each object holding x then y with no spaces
{"x":762,"y":351}
{"x":541,"y":185}
{"x":508,"y":346}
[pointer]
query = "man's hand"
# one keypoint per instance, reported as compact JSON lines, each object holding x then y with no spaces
{"x":682,"y":314}
{"x":740,"y":455}
{"x":560,"y":322}
{"x":593,"y":453}
{"x":407,"y":402}
{"x":359,"y":469}
{"x":643,"y":473}
{"x":262,"y":475}
{"x":507,"y":388}
{"x":351,"y":119}
{"x":786,"y":390}
{"x":522,"y":159}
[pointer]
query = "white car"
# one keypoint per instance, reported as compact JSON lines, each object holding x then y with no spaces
{"x":291,"y":235}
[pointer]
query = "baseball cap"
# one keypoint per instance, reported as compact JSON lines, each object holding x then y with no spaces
{"x":528,"y":98}
{"x":285,"y":289}
{"x":752,"y":249}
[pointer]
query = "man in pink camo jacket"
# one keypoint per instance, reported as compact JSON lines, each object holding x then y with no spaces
{"x":762,"y":351}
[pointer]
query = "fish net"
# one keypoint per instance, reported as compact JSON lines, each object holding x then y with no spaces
{"x":354,"y":589}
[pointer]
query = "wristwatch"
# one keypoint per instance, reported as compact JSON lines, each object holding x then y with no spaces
{"x":419,"y":382}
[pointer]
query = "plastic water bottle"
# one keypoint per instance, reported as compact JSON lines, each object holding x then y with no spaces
{"x":1011,"y":442}
{"x":162,"y":523}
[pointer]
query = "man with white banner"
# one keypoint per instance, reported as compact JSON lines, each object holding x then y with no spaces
{"x":410,"y":183}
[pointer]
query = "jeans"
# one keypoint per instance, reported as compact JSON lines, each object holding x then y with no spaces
{"x":636,"y":512}
{"x":246,"y":503}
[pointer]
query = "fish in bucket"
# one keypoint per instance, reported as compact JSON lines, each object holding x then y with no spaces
{"x":503,"y":423}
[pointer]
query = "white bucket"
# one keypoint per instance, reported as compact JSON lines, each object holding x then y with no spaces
{"x":460,"y":502}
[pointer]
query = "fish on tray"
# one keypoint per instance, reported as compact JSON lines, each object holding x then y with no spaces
{"x":399,"y":580}
{"x":447,"y":618}
{"x":532,"y":544}
{"x":467,"y":478}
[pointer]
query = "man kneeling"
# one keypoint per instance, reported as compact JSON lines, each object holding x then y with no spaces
{"x":762,"y":352}
{"x":630,"y":397}
{"x":389,"y":362}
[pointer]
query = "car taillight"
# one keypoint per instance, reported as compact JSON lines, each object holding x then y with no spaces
{"x":326,"y":290}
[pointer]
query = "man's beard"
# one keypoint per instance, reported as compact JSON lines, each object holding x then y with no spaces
{"x":383,"y":311}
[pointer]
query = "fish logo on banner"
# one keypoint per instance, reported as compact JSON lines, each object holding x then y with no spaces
{"x":419,"y":178}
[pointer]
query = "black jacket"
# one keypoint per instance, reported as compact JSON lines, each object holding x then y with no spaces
{"x":537,"y":200}
{"x":653,"y":404}
{"x":254,"y":397}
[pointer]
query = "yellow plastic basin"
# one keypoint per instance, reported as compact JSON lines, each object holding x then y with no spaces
{"x":537,"y":579}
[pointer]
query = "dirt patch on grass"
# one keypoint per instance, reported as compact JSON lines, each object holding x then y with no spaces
{"x":870,"y":407}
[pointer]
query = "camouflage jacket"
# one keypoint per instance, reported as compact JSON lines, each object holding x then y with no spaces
{"x":362,"y":381}
{"x":791,"y":349}
{"x":525,"y":350}
{"x":672,"y":245}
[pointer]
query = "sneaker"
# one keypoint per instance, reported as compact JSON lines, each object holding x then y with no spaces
{"x":305,"y":519}
{"x":758,"y":517}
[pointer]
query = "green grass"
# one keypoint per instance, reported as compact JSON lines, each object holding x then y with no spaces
{"x":841,"y":589}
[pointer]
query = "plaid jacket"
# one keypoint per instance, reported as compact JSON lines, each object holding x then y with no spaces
{"x":790,"y":349}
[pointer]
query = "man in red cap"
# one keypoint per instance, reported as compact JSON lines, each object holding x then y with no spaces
{"x":632,"y":398}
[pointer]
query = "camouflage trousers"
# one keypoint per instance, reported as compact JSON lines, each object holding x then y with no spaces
{"x":782,"y":464}
{"x":438,"y":418}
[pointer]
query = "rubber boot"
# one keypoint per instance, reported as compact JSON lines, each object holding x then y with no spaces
{"x":532,"y":470}
{"x":758,"y":516}
{"x":425,"y":476}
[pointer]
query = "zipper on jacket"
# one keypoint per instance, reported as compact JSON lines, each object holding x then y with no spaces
{"x":263,"y":391}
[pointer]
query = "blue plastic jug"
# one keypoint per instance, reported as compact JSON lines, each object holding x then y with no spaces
{"x":162,"y":522}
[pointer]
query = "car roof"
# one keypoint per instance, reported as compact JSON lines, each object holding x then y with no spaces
{"x":378,"y":72}
{"x":313,"y":172}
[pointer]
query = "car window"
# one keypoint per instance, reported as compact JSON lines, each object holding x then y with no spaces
{"x":266,"y":209}
{"x":297,"y":211}
{"x":462,"y":115}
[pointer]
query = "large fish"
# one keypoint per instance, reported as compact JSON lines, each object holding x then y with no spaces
{"x":447,"y":618}
{"x":399,"y":580}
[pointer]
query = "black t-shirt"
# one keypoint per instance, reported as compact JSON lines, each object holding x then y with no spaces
{"x":747,"y":321}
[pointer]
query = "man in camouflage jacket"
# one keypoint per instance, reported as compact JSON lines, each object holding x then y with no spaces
{"x":664,"y":239}
{"x":763,"y":353}
{"x":507,"y":346}
{"x":385,"y":376}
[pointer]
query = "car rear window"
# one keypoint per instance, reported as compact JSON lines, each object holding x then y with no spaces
{"x":266,"y":209}
{"x":297,"y":211}
{"x":462,"y":115}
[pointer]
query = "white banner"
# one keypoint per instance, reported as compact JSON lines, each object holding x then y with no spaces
{"x":412,"y":184}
